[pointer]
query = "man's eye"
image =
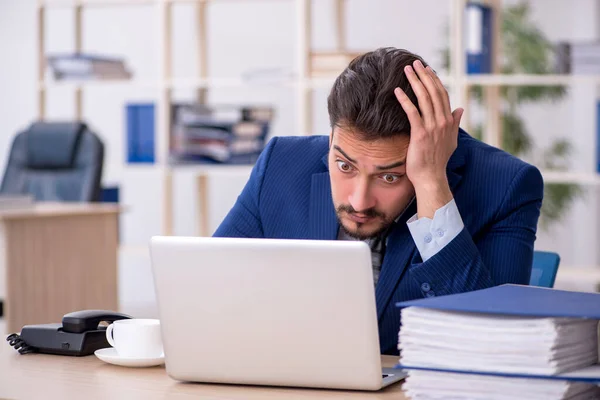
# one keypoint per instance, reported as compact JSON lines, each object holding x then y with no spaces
{"x":344,"y":166}
{"x":390,"y":178}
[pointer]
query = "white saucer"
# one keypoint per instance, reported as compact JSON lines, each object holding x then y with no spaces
{"x":110,"y":356}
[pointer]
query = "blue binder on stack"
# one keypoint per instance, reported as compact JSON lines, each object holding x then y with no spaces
{"x":522,"y":301}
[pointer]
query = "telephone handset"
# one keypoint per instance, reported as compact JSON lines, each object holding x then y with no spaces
{"x":80,"y":334}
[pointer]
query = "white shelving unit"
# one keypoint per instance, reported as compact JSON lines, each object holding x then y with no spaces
{"x":580,"y":178}
{"x":528,"y":80}
{"x":303,"y":83}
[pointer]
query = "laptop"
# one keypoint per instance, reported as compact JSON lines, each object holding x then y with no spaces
{"x":275,"y":312}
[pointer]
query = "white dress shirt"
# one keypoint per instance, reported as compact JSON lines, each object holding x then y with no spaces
{"x":431,"y":236}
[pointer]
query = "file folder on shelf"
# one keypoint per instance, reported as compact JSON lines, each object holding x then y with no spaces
{"x":478,"y":35}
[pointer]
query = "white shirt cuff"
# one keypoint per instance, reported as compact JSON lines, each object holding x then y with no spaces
{"x":431,"y":236}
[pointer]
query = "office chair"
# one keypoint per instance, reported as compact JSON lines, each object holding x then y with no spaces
{"x":55,"y":161}
{"x":544,"y":268}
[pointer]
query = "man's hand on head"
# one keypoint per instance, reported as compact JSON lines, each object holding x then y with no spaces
{"x":433,"y":138}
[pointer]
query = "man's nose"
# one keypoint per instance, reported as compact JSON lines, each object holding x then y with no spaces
{"x":361,"y":198}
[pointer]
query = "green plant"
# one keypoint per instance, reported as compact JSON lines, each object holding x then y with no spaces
{"x":526,"y":50}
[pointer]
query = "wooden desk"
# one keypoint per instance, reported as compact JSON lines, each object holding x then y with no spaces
{"x":33,"y":376}
{"x":57,"y":258}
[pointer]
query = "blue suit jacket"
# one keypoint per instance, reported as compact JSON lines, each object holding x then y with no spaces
{"x":499,"y":197}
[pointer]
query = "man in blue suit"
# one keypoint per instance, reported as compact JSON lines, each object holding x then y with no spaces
{"x":442,"y":212}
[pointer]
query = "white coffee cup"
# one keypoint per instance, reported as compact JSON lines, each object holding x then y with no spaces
{"x":136,"y":338}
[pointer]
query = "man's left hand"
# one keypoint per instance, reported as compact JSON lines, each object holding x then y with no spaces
{"x":433,"y":138}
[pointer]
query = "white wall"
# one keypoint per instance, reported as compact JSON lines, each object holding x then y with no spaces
{"x":261,"y":34}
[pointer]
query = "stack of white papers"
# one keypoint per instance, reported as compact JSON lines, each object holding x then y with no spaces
{"x":428,"y":385}
{"x":497,"y":344}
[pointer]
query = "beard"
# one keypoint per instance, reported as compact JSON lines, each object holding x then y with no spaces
{"x":361,"y":232}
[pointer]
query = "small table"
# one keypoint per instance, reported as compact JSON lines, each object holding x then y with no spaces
{"x":56,"y":258}
{"x":40,"y":375}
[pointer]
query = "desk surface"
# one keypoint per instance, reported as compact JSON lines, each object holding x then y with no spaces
{"x":38,"y":375}
{"x":52,"y":209}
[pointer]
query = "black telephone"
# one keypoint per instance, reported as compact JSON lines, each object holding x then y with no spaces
{"x":79,"y":334}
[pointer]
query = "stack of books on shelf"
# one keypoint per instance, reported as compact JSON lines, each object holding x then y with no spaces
{"x":507,"y":342}
{"x":78,"y":66}
{"x":582,"y":58}
{"x":218,"y":134}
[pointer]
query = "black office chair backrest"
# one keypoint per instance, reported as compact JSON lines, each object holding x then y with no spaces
{"x":55,"y":161}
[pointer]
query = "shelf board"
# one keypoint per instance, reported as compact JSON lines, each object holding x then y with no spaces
{"x":571,"y":177}
{"x":108,"y":3}
{"x":209,"y":169}
{"x":193,"y":83}
{"x":579,"y":272}
{"x":527,"y":79}
{"x":212,"y":170}
{"x":93,"y":3}
{"x":49,"y":84}
{"x":327,"y":81}
{"x":320,"y":82}
{"x":177,"y":83}
{"x":574,"y":274}
{"x":198,"y":83}
{"x":187,"y":83}
{"x":199,"y":1}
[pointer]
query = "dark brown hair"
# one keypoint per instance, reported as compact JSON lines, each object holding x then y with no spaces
{"x":362,"y":98}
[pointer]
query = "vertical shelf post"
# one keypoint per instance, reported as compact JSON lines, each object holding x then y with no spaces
{"x":164,"y":107}
{"x":304,"y":37}
{"x":459,"y":88}
{"x":202,"y":202}
{"x":202,"y":98}
{"x":78,"y":50}
{"x":492,"y":94}
{"x":202,"y":54}
{"x":340,"y":23}
{"x":41,"y":78}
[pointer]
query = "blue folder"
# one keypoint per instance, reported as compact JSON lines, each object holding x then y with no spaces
{"x":519,"y":300}
{"x":479,"y":41}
